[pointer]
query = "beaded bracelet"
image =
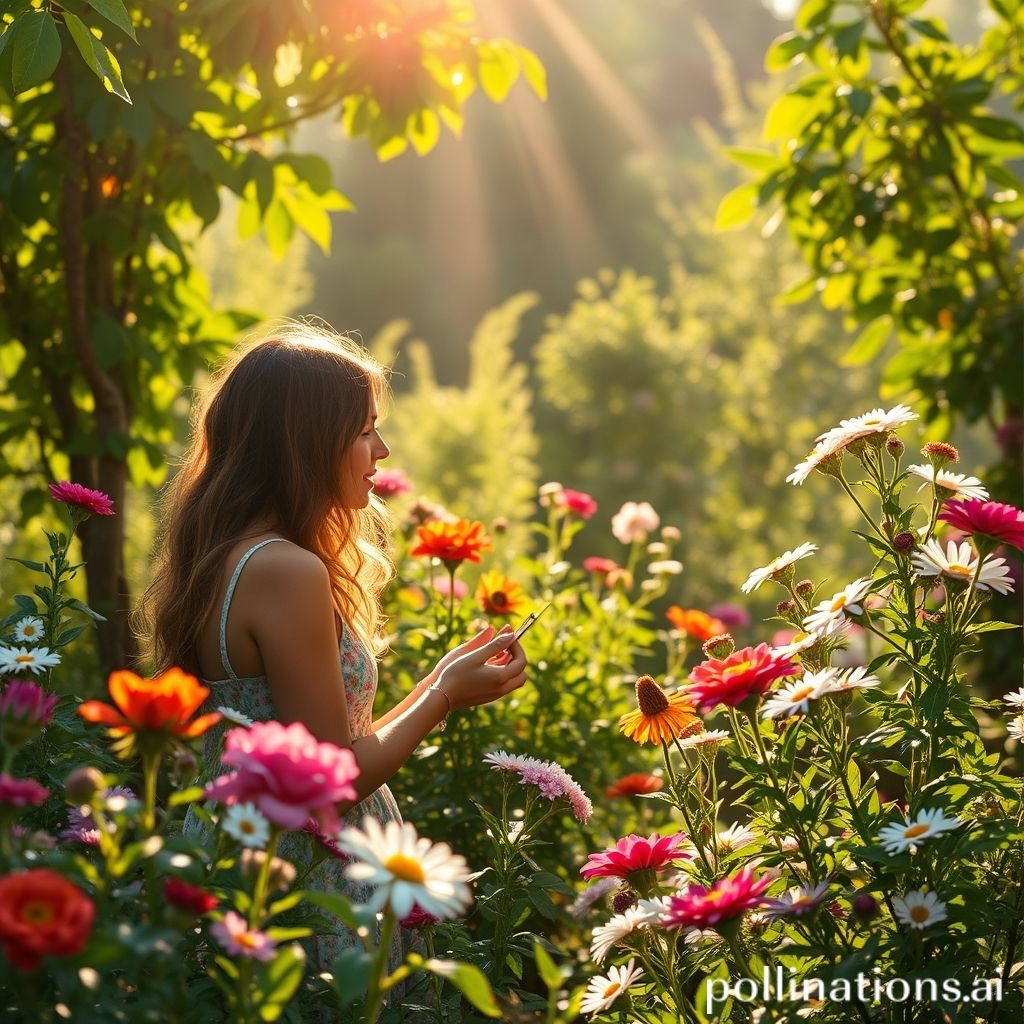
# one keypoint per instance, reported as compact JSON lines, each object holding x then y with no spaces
{"x":437,"y":688}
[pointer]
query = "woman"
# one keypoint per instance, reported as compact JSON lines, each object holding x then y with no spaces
{"x":271,"y":567}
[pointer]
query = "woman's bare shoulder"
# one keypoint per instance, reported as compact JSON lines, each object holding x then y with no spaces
{"x":288,"y":566}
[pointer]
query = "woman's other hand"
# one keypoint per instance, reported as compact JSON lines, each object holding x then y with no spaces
{"x":483,"y":669}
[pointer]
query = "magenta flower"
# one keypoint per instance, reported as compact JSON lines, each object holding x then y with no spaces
{"x":731,"y":680}
{"x":553,"y":781}
{"x":577,"y":502}
{"x":233,"y":933}
{"x":732,"y":615}
{"x":992,"y":518}
{"x":417,"y":918}
{"x":286,"y":773}
{"x":729,"y":897}
{"x":85,"y":498}
{"x":21,"y":792}
{"x":25,"y":709}
{"x":389,"y":483}
{"x":636,"y":853}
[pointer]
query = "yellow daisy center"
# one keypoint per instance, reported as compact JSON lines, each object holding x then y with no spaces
{"x":872,"y":422}
{"x":246,"y":827}
{"x":919,"y":914}
{"x":715,"y":896}
{"x":735,"y":670}
{"x":611,"y":990}
{"x":914,"y":831}
{"x":801,"y":693}
{"x":25,"y":659}
{"x":248,"y":939}
{"x":37,"y":912}
{"x":405,"y":869}
{"x":28,"y":630}
{"x":839,"y":601}
{"x":959,"y":570}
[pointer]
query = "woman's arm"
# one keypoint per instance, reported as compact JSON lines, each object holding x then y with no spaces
{"x":293,"y":625}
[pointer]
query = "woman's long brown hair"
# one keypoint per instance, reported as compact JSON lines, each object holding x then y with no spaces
{"x":270,"y":441}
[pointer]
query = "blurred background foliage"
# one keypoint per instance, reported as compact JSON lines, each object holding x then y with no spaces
{"x":560,"y":306}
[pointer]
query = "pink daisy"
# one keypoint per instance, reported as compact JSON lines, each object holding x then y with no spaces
{"x":94,"y":502}
{"x":636,"y":853}
{"x":21,"y":792}
{"x":993,"y":518}
{"x":698,"y":907}
{"x":731,"y":680}
{"x":233,"y":933}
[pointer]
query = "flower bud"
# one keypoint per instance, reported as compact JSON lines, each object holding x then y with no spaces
{"x":938,"y":453}
{"x":499,"y":525}
{"x":785,"y":607}
{"x":82,"y":783}
{"x":657,"y":549}
{"x":865,"y":906}
{"x":904,"y":542}
{"x":282,"y":872}
{"x":671,"y":533}
{"x":894,"y":446}
{"x":719,"y":646}
{"x":186,"y":765}
{"x":804,"y":588}
{"x":623,"y":901}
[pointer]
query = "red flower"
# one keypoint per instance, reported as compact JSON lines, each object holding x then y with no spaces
{"x":189,"y":898}
{"x":698,"y":907}
{"x":695,"y":623}
{"x":598,"y":565}
{"x":577,"y":502}
{"x":731,"y":680}
{"x":993,"y":518}
{"x":635,"y":853}
{"x":21,"y":792}
{"x":41,"y":912}
{"x":452,"y":542}
{"x":634,"y":785}
{"x":94,"y":502}
{"x":417,"y":918}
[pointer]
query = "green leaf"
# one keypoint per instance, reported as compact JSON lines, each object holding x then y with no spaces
{"x":992,"y":627}
{"x":102,"y":62}
{"x":737,"y":206}
{"x":279,"y":227}
{"x":546,"y":967}
{"x":351,"y":973}
{"x":114,"y":11}
{"x":931,"y":27}
{"x":79,"y":606}
{"x":337,"y":905}
{"x":281,"y":980}
{"x":755,"y":159}
{"x":470,"y":981}
{"x":35,"y":50}
{"x":784,"y":51}
{"x":869,"y":342}
{"x":185,"y":796}
{"x":34,"y":566}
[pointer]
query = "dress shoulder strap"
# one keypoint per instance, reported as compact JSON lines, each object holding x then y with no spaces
{"x":224,"y":660}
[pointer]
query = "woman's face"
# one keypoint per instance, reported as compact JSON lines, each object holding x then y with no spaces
{"x":361,"y":463}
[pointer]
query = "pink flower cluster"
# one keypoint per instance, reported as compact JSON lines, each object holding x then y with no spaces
{"x":553,"y":781}
{"x":286,"y":773}
{"x":636,"y":853}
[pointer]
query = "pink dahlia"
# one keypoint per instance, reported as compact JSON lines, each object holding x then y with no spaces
{"x":286,"y":773}
{"x":21,"y":792}
{"x":553,"y":781}
{"x":993,"y":518}
{"x":577,"y":502}
{"x":698,"y":907}
{"x":598,"y":565}
{"x":94,"y":502}
{"x":731,"y":680}
{"x":25,"y":709}
{"x":635,"y":853}
{"x":389,"y":483}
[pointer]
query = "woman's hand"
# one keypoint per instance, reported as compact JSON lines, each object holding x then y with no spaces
{"x":471,"y":644}
{"x":483,"y":669}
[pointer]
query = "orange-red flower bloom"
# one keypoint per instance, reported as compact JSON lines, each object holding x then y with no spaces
{"x":659,"y":716}
{"x":498,"y":595}
{"x":42,"y":912}
{"x":634,"y":785}
{"x":453,"y":543}
{"x":163,"y":705}
{"x":693,"y":622}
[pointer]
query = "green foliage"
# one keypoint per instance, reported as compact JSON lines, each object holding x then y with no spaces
{"x":894,"y":169}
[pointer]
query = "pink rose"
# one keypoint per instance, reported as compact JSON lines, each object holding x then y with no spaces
{"x":286,"y":773}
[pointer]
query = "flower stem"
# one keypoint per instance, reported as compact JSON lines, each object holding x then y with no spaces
{"x":375,"y":993}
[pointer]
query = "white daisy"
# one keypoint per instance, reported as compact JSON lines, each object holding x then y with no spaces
{"x":246,"y":823}
{"x":666,"y":567}
{"x":758,"y":576}
{"x":407,"y":868}
{"x":796,"y":696}
{"x":852,"y":679}
{"x":1015,"y":699}
{"x":960,"y":562}
{"x":789,"y":844}
{"x":954,"y":485}
{"x":798,"y":900}
{"x":1016,"y":728}
{"x":589,"y":896}
{"x":607,"y":935}
{"x":821,"y":451}
{"x":735,"y":837}
{"x":652,"y":910}
{"x":603,"y":990}
{"x":919,"y":909}
{"x":21,"y":659}
{"x":701,"y":738}
{"x":801,"y":642}
{"x":900,"y":837}
{"x":235,"y":716}
{"x":830,"y":615}
{"x":500,"y":760}
{"x":877,"y":421}
{"x":28,"y":630}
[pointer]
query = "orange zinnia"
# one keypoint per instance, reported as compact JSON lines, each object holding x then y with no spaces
{"x":659,"y":717}
{"x":453,"y":543}
{"x":499,"y":595}
{"x":634,"y":785}
{"x":695,"y":623}
{"x":164,"y":705}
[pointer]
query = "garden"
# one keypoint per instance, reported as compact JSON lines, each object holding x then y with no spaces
{"x":755,"y":494}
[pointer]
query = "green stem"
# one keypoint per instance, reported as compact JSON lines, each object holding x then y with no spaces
{"x":375,"y":993}
{"x":259,"y":896}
